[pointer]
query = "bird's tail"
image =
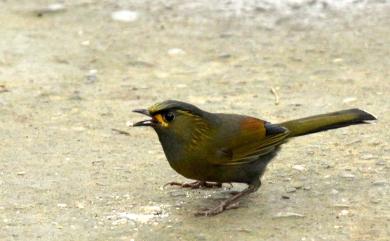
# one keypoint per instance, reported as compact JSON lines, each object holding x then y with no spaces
{"x":328,"y":121}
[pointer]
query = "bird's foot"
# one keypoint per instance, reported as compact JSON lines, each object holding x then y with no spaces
{"x":218,"y":209}
{"x":231,"y":202}
{"x":195,"y":185}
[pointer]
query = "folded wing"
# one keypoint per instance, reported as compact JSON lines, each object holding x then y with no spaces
{"x":254,"y":138}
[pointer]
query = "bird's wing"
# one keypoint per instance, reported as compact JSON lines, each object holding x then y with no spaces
{"x":255,"y":138}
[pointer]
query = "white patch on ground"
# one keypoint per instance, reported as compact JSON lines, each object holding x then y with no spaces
{"x":124,"y":16}
{"x":150,"y":214}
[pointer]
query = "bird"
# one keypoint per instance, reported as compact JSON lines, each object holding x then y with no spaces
{"x":217,"y":148}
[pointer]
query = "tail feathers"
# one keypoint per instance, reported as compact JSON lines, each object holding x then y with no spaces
{"x":328,"y":121}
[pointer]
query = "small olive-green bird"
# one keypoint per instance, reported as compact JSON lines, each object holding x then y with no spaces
{"x":216,"y":148}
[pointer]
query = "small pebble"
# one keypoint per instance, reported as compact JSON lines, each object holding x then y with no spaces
{"x":62,"y":205}
{"x":297,"y":185}
{"x":291,"y":189}
{"x":91,"y":76}
{"x":344,"y":212}
{"x":20,"y":173}
{"x":299,"y":167}
{"x":86,"y":43}
{"x":347,"y":175}
{"x":51,"y":8}
{"x":288,"y":214}
{"x":181,"y":85}
{"x":124,"y":16}
{"x":349,"y":100}
{"x":307,"y":188}
{"x":56,"y":7}
{"x":129,"y":123}
{"x":176,"y":51}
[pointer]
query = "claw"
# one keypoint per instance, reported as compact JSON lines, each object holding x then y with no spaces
{"x":173,"y":184}
{"x":217,"y":210}
{"x":211,"y":212}
{"x":233,"y":192}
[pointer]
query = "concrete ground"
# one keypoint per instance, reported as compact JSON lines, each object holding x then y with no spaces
{"x":70,"y":74}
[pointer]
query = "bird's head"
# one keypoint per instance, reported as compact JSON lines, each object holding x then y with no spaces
{"x":175,"y":118}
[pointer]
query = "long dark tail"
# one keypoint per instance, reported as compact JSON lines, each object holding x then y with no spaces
{"x":327,"y":121}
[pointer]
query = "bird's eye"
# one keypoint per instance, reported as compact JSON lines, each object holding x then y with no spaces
{"x":169,"y":116}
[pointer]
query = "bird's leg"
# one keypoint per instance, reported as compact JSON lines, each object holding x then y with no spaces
{"x":196,"y":184}
{"x":231,"y":202}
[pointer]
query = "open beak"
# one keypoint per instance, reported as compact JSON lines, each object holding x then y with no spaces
{"x":150,"y":122}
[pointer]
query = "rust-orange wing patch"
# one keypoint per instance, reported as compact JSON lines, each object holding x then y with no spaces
{"x":253,"y":140}
{"x":252,"y":127}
